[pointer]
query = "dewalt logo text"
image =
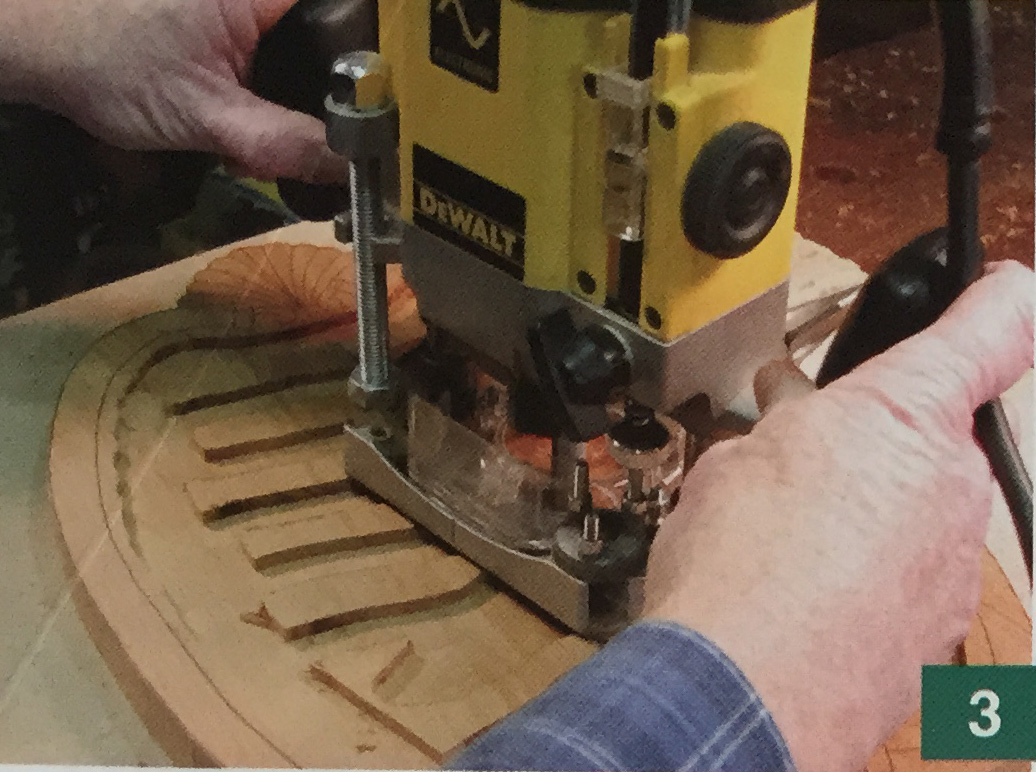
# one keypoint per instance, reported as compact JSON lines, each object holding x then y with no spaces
{"x":471,"y":212}
{"x":467,"y":222}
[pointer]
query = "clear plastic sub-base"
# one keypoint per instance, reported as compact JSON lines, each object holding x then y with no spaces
{"x":480,"y":482}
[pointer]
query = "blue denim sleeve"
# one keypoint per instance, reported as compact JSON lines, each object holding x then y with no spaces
{"x":657,"y":697}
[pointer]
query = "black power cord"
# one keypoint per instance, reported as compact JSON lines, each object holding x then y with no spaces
{"x":913,"y":288}
{"x":965,"y":134}
{"x":994,"y":434}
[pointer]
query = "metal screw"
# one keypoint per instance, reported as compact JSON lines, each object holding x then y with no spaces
{"x":586,"y":282}
{"x":582,"y":498}
{"x":359,"y":81}
{"x":635,"y":492}
{"x":666,"y":116}
{"x":590,"y":85}
{"x":592,"y":527}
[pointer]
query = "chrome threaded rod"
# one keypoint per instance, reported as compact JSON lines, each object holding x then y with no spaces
{"x":371,"y":280}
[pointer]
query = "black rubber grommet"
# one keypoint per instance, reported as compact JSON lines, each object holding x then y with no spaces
{"x":736,"y":190}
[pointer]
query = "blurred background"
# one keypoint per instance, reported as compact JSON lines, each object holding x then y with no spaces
{"x":75,"y":213}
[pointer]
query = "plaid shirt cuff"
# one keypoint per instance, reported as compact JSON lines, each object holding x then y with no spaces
{"x":657,"y":697}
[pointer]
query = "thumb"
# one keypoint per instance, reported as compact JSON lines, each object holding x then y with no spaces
{"x":271,"y":141}
{"x":780,"y":381}
{"x":980,"y":347}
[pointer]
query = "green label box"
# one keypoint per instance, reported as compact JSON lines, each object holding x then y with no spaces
{"x":978,"y":712}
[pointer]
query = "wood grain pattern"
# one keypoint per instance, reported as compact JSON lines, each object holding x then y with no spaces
{"x":224,"y":440}
{"x":301,"y":285}
{"x":324,"y":528}
{"x":439,"y":691}
{"x":401,"y":583}
{"x":194,"y":481}
{"x":132,"y":434}
{"x":232,"y":494}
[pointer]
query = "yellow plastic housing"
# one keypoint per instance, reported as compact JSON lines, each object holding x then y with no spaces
{"x":541,"y":136}
{"x":757,"y":73}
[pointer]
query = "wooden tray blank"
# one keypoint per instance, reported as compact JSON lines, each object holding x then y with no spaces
{"x":256,"y":609}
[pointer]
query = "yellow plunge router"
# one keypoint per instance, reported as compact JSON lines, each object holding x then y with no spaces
{"x":596,"y":210}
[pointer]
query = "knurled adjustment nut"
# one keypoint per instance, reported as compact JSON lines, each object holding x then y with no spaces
{"x":362,"y":117}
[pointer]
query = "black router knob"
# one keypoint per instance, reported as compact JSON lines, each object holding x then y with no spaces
{"x":594,"y":364}
{"x":736,"y":190}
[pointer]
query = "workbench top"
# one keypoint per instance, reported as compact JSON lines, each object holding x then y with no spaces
{"x":59,"y":702}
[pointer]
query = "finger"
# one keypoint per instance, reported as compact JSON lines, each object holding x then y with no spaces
{"x":269,"y":12}
{"x":270,"y":141}
{"x":980,"y":347}
{"x":780,"y":381}
{"x":235,"y":169}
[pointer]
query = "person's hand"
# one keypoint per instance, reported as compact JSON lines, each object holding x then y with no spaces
{"x":166,"y":75}
{"x":836,"y":549}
